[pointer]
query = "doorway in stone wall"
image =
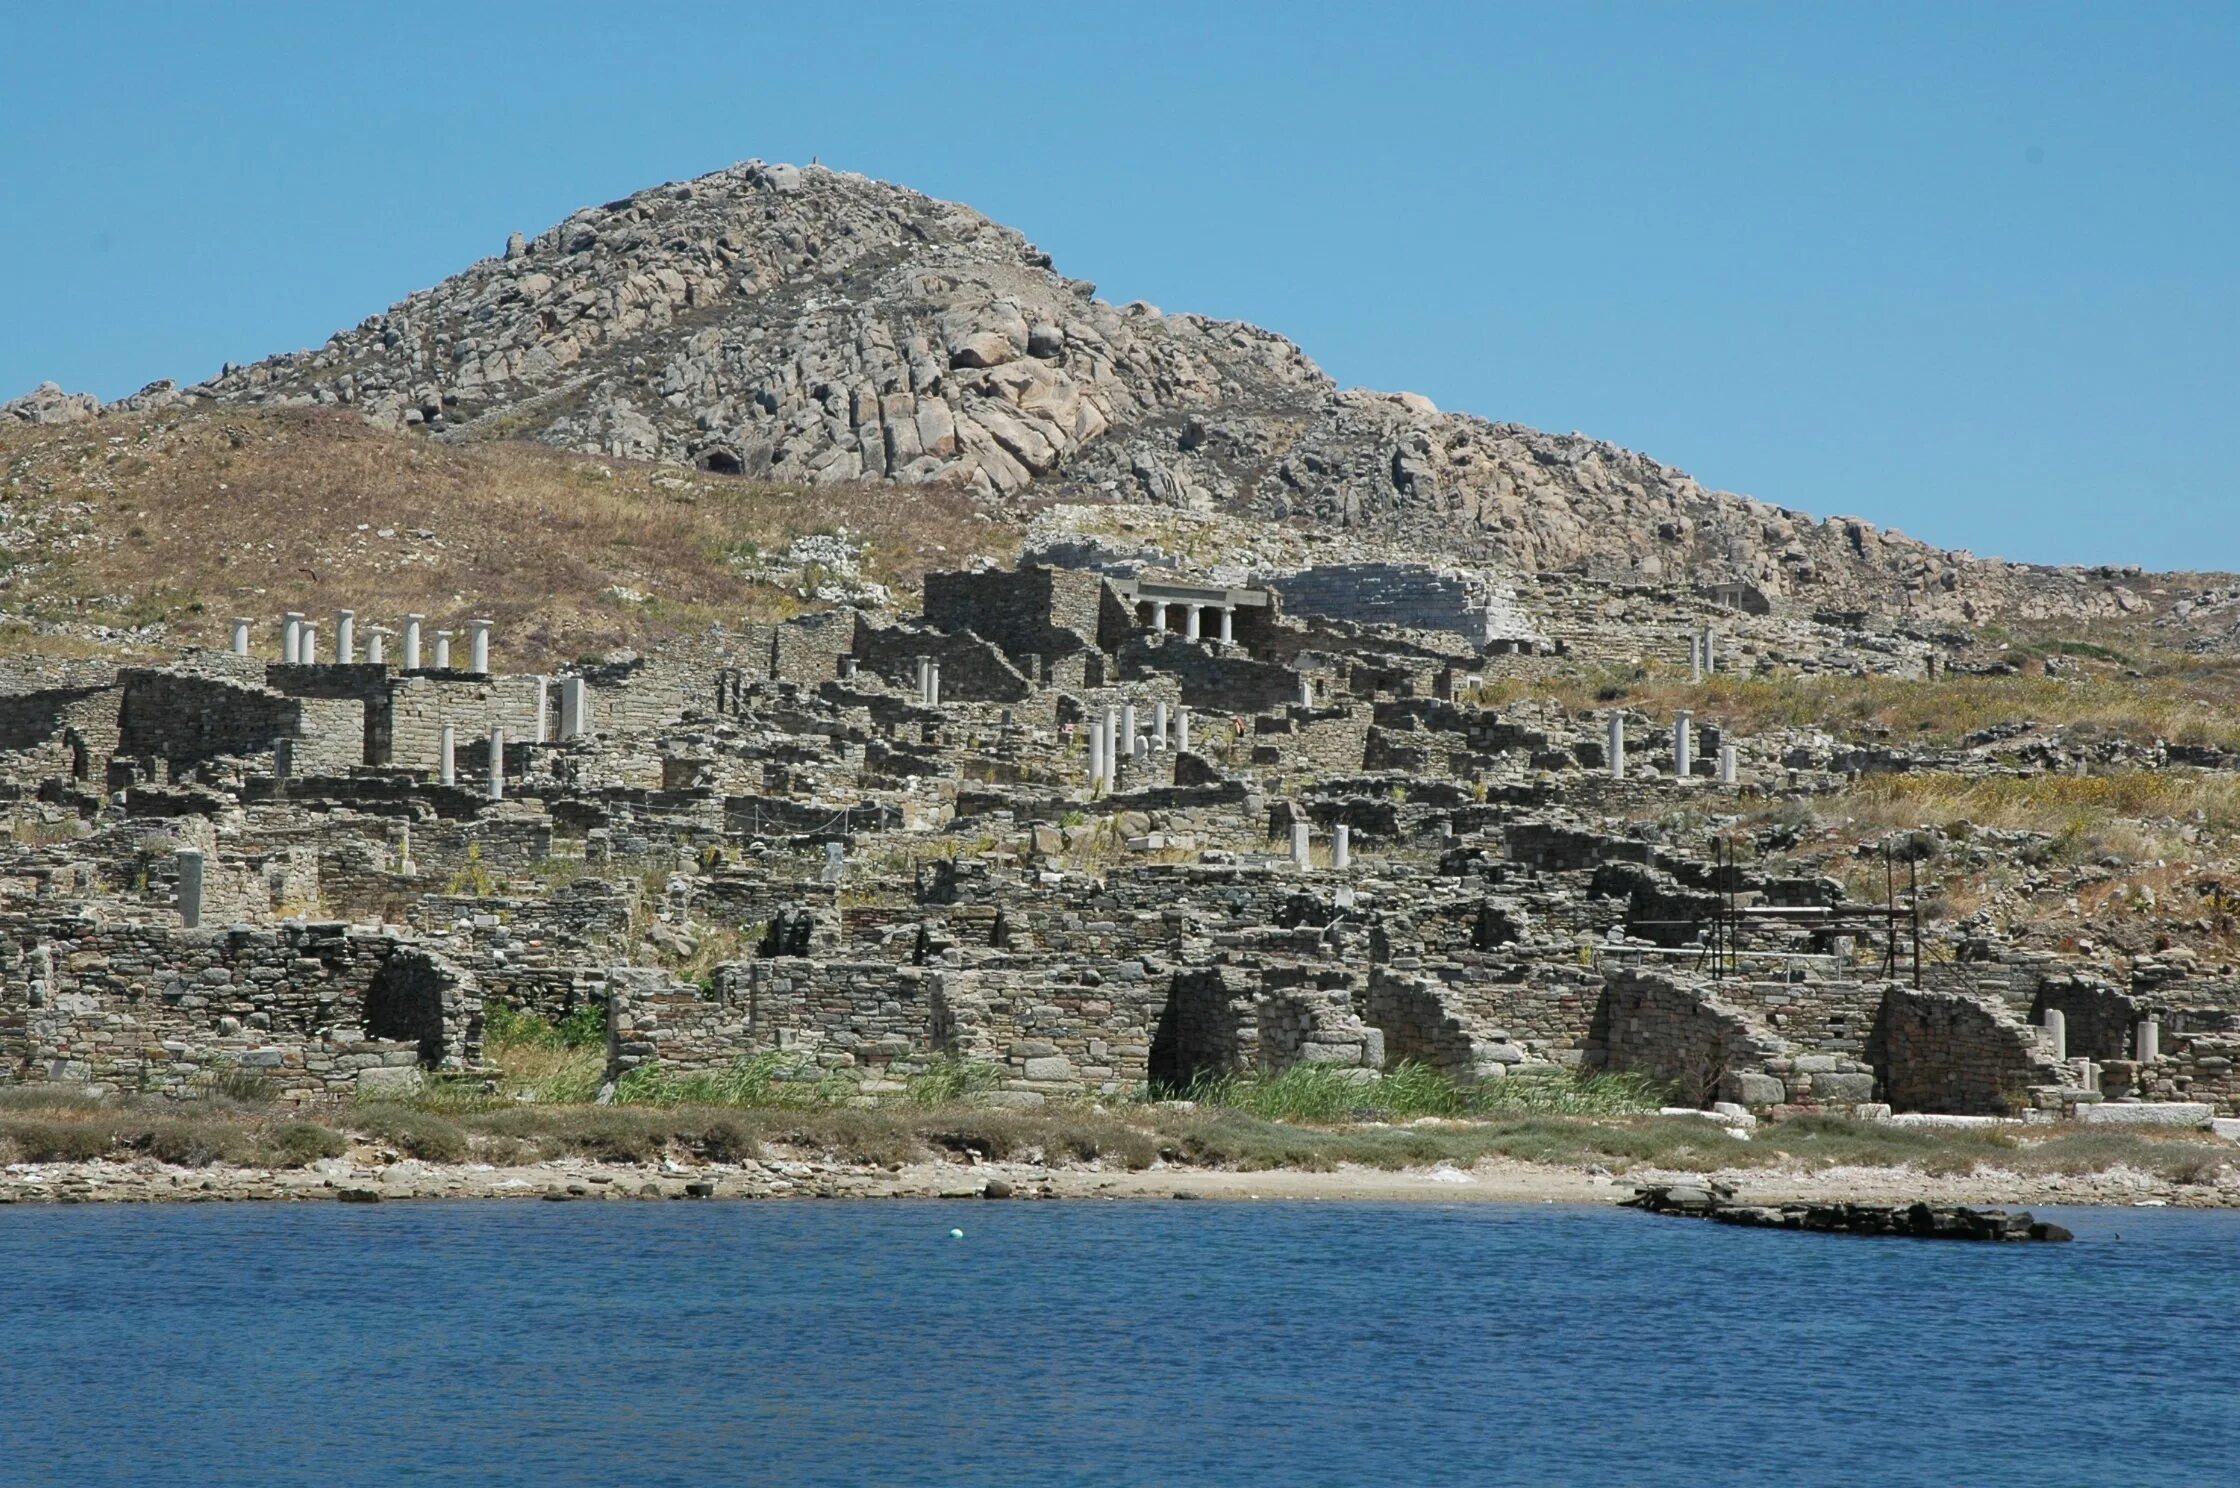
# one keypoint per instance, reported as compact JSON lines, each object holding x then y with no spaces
{"x":405,"y":1004}
{"x":1199,"y":1032}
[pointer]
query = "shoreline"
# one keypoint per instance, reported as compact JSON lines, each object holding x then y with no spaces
{"x":1494,"y":1181}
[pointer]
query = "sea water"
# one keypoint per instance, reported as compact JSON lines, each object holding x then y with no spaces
{"x":1100,"y":1343}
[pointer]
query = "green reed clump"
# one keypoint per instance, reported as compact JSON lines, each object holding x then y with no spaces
{"x":1327,"y":1095}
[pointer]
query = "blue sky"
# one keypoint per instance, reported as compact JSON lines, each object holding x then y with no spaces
{"x":1971,"y":271}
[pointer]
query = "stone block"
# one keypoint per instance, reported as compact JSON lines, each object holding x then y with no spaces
{"x":1756,"y":1090}
{"x":1842,"y":1089}
{"x":2196,"y":1114}
{"x":389,"y":1082}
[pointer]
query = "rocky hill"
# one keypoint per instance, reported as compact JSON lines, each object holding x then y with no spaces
{"x":807,"y":325}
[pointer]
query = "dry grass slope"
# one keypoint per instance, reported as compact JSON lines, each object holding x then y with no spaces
{"x":165,"y":525}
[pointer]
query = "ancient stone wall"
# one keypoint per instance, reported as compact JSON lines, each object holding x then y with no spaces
{"x":973,"y":670}
{"x":307,"y":1008}
{"x":1033,"y":612}
{"x":1686,"y":1038}
{"x":1410,"y":596}
{"x":187,"y":719}
{"x":421,"y":703}
{"x":1946,"y":1051}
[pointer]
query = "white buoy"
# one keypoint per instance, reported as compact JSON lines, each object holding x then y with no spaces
{"x":956,"y":1234}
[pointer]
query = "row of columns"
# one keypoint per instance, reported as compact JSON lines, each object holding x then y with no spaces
{"x":1683,"y":749}
{"x":1703,"y":654}
{"x":1193,"y":619}
{"x":447,"y":759}
{"x":2146,"y":1046}
{"x":1115,"y":734}
{"x":1341,"y":846}
{"x":299,"y":641}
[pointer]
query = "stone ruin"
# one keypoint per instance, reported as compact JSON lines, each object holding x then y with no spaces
{"x":1094,"y":832}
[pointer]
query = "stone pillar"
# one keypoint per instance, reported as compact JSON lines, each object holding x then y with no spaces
{"x":412,"y":642}
{"x":1139,"y":747}
{"x":291,"y":637}
{"x":497,"y":763}
{"x":541,"y":699}
{"x":307,"y":642}
{"x":1159,"y":725}
{"x":1341,"y":847}
{"x":1683,"y":745}
{"x":1193,"y":622}
{"x":345,"y":637}
{"x":1111,"y":727}
{"x":1729,"y":773}
{"x":1617,"y":746}
{"x":1159,"y":615}
{"x":1128,"y":725}
{"x":443,"y":650}
{"x":933,"y":684}
{"x":2057,"y":1034}
{"x":190,"y":886}
{"x":1228,"y":629}
{"x":240,"y":637}
{"x":1695,"y":657}
{"x":1182,"y":729}
{"x":2150,"y":1041}
{"x":1710,"y":651}
{"x":1306,"y":690}
{"x":447,"y":770}
{"x":478,"y":647}
{"x":377,"y":644}
{"x":1301,"y":836}
{"x":1096,"y":754}
{"x":575,"y":708}
{"x":923,"y":663}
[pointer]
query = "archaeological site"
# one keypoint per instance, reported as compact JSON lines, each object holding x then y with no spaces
{"x":1256,"y":724}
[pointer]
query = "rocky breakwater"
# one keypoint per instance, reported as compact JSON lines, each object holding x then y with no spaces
{"x":1715,"y":1201}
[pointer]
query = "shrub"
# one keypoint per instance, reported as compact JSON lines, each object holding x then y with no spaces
{"x":298,"y":1144}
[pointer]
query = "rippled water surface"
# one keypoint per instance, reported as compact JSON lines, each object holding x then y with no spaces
{"x":1138,"y":1343}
